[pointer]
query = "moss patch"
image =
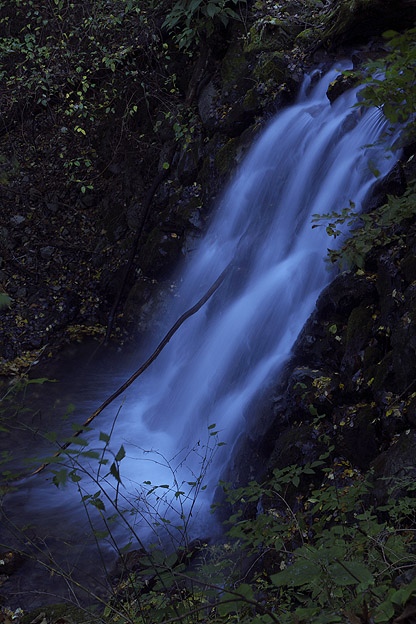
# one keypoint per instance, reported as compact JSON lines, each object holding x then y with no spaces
{"x":225,"y":157}
{"x":234,"y":65}
{"x":359,"y":327}
{"x":271,"y":67}
{"x":270,"y":33}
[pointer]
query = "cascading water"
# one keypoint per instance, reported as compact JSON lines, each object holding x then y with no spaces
{"x":310,"y":159}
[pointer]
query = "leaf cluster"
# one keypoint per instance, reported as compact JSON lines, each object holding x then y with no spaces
{"x":189,"y":19}
{"x":326,"y":555}
{"x":390,"y":82}
{"x":72,"y":68}
{"x":384,"y":226}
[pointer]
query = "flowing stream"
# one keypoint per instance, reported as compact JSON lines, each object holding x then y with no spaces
{"x":311,"y":158}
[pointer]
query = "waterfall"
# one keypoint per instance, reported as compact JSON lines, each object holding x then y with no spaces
{"x":311,"y":158}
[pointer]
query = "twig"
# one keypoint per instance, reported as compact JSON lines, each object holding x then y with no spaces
{"x":144,"y":366}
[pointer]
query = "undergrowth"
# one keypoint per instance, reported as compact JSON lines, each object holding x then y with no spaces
{"x":308,"y":545}
{"x":388,"y":224}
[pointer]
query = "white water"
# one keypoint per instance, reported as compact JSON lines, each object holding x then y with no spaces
{"x":310,"y":159}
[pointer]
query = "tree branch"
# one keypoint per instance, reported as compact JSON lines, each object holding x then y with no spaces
{"x":146,"y":364}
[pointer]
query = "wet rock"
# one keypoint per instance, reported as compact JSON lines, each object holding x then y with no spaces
{"x":207,"y":106}
{"x":189,"y":162}
{"x":10,"y":562}
{"x":47,"y":252}
{"x":133,"y":213}
{"x":396,"y":468}
{"x":344,"y":293}
{"x":17,"y":220}
{"x":132,"y":561}
{"x":52,"y":207}
{"x":358,"y":20}
{"x":339,"y":86}
{"x":357,"y":438}
{"x":143,"y":304}
{"x":388,"y":286}
{"x":6,"y":240}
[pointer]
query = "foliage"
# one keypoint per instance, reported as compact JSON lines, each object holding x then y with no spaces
{"x":306,"y":546}
{"x":390,"y":82}
{"x":329,"y":554}
{"x":70,"y":70}
{"x":384,"y":226}
{"x":188,"y":19}
{"x":5,"y":301}
{"x":335,"y":554}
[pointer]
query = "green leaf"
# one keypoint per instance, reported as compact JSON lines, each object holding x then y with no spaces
{"x":351,"y":573}
{"x":5,"y":301}
{"x":98,"y":503}
{"x":171,"y":560}
{"x":115,"y":472}
{"x":121,"y":454}
{"x":104,"y":437}
{"x":91,"y":454}
{"x":60,"y":477}
{"x":212,"y":10}
{"x":299,"y":573}
{"x":389,"y":34}
{"x":101,"y":534}
{"x":76,"y":440}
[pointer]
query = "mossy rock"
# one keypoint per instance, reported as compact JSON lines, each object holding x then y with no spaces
{"x":338,"y":86}
{"x":306,"y":37}
{"x":225,"y":157}
{"x":251,"y":101}
{"x":271,"y":66}
{"x":359,"y":328}
{"x":234,"y":65}
{"x":358,"y":20}
{"x":270,"y":35}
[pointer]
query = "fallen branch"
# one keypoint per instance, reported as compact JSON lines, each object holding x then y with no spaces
{"x":144,"y":366}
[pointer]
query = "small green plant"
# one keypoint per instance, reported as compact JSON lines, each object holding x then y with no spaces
{"x":384,"y":226}
{"x":390,"y":83}
{"x":333,"y":553}
{"x":313,"y":549}
{"x":189,"y":19}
